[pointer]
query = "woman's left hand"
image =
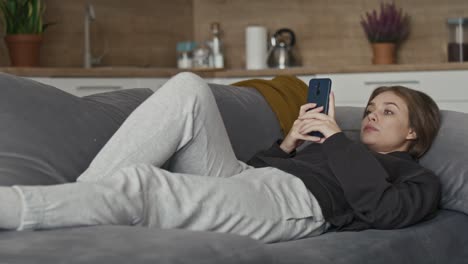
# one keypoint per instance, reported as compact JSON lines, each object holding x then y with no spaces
{"x":323,"y":123}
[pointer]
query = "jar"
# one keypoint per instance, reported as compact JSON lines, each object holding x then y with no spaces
{"x":184,"y":55}
{"x":457,"y":49}
{"x":201,"y":56}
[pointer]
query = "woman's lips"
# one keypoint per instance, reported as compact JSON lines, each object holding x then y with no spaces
{"x":369,"y":128}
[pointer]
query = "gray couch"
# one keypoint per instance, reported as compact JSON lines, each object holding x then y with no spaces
{"x":48,"y":137}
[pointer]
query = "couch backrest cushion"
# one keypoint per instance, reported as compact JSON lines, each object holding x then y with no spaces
{"x":447,"y":158}
{"x":48,"y":136}
{"x":251,"y":124}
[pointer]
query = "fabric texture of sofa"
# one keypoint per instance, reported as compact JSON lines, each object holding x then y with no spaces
{"x":48,"y":136}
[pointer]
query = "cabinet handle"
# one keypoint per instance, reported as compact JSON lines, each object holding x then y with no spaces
{"x":109,"y":87}
{"x":391,"y":82}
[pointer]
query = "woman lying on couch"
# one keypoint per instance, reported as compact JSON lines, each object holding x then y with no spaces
{"x":171,"y":165}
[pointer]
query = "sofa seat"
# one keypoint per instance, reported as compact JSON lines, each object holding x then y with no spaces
{"x":126,"y":244}
{"x":431,"y":241}
{"x":427,"y":242}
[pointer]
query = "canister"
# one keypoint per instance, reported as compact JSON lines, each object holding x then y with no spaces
{"x":457,"y":48}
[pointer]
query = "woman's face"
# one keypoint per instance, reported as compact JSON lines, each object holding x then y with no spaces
{"x":385,"y":126}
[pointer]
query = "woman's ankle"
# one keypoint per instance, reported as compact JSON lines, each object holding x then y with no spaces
{"x":10,"y":208}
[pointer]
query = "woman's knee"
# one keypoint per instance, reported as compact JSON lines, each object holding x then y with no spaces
{"x":189,"y":84}
{"x":187,"y":77}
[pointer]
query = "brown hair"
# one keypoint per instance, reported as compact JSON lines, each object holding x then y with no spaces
{"x":423,"y":115}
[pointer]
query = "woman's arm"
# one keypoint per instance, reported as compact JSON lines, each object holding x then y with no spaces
{"x":281,"y":150}
{"x":382,"y":204}
{"x":284,"y":149}
{"x":273,"y":154}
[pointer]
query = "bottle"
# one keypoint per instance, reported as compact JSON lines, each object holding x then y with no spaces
{"x":216,"y":46}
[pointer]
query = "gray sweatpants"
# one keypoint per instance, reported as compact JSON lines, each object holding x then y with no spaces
{"x":203,"y":186}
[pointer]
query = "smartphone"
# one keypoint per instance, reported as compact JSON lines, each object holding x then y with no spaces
{"x":319,"y":93}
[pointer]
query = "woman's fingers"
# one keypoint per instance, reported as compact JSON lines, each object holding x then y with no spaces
{"x":304,"y":108}
{"x":312,"y":119}
{"x":327,"y":126}
{"x":309,"y":114}
{"x":331,"y":105}
{"x":315,"y":114}
{"x":298,"y":127}
{"x":307,"y":137}
{"x":310,"y":127}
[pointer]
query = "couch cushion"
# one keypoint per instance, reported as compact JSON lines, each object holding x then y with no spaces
{"x":124,"y":244}
{"x":251,"y":124}
{"x":437,"y":241}
{"x":48,"y":136}
{"x":447,"y":157}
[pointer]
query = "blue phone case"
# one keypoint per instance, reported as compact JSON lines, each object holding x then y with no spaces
{"x":319,"y":93}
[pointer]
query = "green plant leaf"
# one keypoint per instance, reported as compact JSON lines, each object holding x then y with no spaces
{"x":23,"y":16}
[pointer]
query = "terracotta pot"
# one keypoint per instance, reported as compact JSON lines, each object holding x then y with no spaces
{"x":384,"y":53}
{"x":24,"y":49}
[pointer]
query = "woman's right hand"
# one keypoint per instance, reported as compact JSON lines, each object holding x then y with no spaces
{"x":294,"y":138}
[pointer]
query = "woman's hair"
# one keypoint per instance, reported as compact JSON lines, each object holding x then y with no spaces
{"x":423,"y":115}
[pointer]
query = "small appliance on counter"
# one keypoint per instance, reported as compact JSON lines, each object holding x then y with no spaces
{"x":281,"y":53}
{"x":457,"y":48}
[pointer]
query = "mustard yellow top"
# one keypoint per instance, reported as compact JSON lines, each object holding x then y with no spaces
{"x":284,"y":93}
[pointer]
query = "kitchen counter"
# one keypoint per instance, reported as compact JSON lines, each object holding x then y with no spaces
{"x":211,"y":73}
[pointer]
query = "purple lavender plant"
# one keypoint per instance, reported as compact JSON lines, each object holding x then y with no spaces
{"x":391,"y":25}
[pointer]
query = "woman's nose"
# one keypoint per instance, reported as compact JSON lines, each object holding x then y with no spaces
{"x":372,"y":117}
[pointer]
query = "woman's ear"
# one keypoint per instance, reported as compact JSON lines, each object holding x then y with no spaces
{"x":411,"y":135}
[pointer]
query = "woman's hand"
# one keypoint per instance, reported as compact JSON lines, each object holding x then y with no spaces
{"x":325,"y":124}
{"x":309,"y":121}
{"x":295,"y":138}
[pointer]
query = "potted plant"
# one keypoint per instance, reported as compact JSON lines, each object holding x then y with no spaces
{"x":385,"y":31}
{"x":23,"y":30}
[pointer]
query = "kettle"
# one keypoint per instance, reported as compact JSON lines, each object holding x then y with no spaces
{"x":280,"y":54}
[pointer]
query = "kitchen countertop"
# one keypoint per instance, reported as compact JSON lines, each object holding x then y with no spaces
{"x":149,"y":72}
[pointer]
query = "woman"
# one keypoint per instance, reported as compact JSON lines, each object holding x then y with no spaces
{"x":171,"y":165}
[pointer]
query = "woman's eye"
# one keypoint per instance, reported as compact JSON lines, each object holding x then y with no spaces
{"x":388,"y":112}
{"x":367,"y":112}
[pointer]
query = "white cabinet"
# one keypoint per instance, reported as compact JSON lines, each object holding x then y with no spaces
{"x":354,"y":89}
{"x":152,"y":83}
{"x":87,"y":86}
{"x":448,"y":88}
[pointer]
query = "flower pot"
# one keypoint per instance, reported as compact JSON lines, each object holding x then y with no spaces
{"x":384,"y":53}
{"x":24,"y":49}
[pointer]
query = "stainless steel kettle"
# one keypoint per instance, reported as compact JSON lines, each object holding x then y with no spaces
{"x":280,"y":54}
